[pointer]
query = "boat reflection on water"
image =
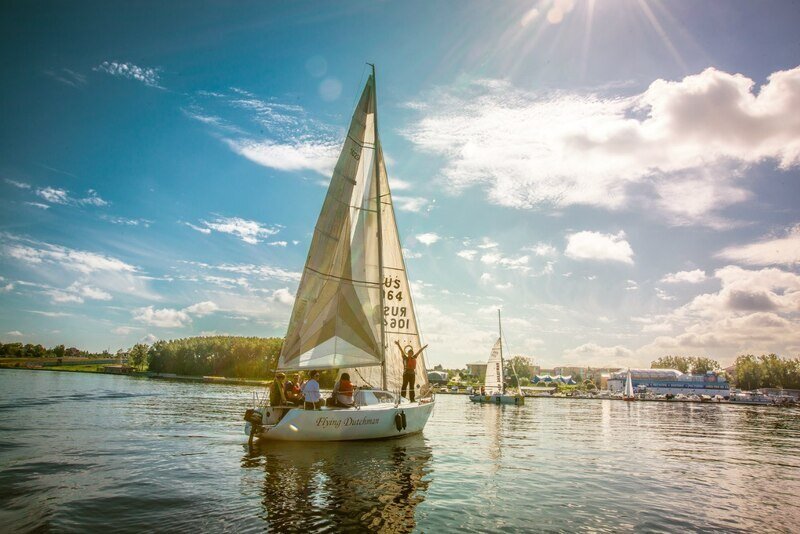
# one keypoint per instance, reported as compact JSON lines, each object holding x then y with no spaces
{"x":373,"y":485}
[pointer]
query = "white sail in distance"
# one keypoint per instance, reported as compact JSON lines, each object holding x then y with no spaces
{"x":494,"y":370}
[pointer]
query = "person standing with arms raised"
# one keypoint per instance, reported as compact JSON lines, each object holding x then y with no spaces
{"x":409,"y":369}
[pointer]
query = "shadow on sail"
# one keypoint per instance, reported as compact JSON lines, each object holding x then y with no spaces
{"x":372,"y":486}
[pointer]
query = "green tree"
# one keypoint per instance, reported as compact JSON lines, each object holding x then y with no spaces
{"x":701,"y":365}
{"x":681,"y":363}
{"x":137,"y":356}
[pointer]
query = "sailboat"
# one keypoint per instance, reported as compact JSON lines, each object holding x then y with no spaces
{"x":353,"y":305}
{"x":494,"y":389}
{"x":627,"y":393}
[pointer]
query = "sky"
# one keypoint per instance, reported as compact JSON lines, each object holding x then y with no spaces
{"x":620,"y":177}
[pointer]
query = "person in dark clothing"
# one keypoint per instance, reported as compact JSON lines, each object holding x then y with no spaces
{"x":277,"y":397}
{"x":409,"y":370}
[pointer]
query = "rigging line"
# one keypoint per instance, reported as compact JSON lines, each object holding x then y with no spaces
{"x":376,"y":284}
{"x":368,"y":146}
{"x":357,"y":94}
{"x":354,"y":207}
{"x":511,"y":360}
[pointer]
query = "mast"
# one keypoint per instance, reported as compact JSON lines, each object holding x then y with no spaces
{"x":502,"y":370}
{"x":380,"y":225}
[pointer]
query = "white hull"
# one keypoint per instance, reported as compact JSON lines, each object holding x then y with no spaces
{"x":337,"y":424}
{"x":498,"y":399}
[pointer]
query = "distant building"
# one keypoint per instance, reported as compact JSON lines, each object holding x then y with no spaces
{"x":437,"y":377}
{"x":670,"y":381}
{"x":477,"y":369}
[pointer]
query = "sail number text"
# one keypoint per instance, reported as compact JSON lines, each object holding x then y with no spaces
{"x":395,"y":312}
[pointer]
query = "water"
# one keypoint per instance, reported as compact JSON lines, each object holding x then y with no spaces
{"x":81,"y":452}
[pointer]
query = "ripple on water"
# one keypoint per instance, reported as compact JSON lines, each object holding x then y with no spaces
{"x":80,"y":452}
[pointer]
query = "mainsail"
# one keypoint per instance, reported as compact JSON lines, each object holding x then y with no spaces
{"x":494,"y":370}
{"x":355,"y":254}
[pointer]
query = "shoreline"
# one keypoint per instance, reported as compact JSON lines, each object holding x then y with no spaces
{"x":221,"y":380}
{"x":147,"y":374}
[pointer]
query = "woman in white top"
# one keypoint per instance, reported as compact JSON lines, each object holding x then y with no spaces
{"x":311,"y":392}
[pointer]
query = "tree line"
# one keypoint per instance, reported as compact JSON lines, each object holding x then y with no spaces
{"x":766,"y":371}
{"x":686,"y":364}
{"x":29,"y":350}
{"x":230,"y":356}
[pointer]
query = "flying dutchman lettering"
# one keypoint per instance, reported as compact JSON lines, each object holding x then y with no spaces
{"x":328,"y":422}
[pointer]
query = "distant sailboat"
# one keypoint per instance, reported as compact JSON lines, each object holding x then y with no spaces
{"x":494,"y":389}
{"x":627,"y":393}
{"x":353,"y":305}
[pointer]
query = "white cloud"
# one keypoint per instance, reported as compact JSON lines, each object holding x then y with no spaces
{"x":487,"y":278}
{"x":594,"y":354}
{"x":589,"y":245}
{"x":67,"y":77}
{"x":542,"y":249}
{"x":467,"y":254}
{"x":396,"y":184}
{"x":428,"y":239}
{"x":149,"y":339}
{"x":6,"y":288}
{"x":93,"y":199}
{"x":691,"y":277}
{"x":146,"y":75}
{"x":201,"y":309}
{"x":496,"y":258}
{"x":538,"y":149}
{"x":277,"y":243}
{"x":252,"y":232}
{"x":487,"y":243}
{"x":283,"y":296}
{"x":14,"y":333}
{"x":767,"y":251}
{"x":663,"y":295}
{"x":754,"y":311}
{"x":124,"y":330}
{"x":77,"y":260}
{"x":20,"y":185}
{"x":200,"y":229}
{"x":260,"y":271}
{"x":631,"y":285}
{"x":90,"y":292}
{"x":128,"y":222}
{"x":410,"y":254}
{"x":162,"y":318}
{"x":54,"y":195}
{"x":38,"y":205}
{"x":412,"y":204}
{"x":317,"y":156}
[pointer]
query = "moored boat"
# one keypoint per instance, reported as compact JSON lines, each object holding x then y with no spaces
{"x":494,"y":389}
{"x":627,"y":393}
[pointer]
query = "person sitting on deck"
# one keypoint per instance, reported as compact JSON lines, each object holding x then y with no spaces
{"x":311,"y":392}
{"x":409,"y":370}
{"x":343,"y":392}
{"x":294,"y":395}
{"x":277,"y":397}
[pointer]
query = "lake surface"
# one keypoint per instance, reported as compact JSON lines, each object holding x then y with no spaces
{"x":82,"y":452}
